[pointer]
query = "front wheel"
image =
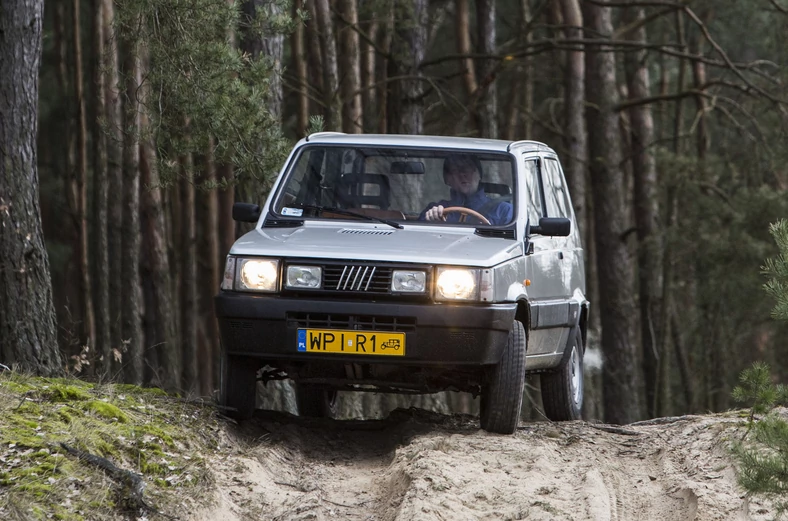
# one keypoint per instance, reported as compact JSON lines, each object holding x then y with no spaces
{"x":238,"y":386}
{"x":502,"y":394}
{"x":562,"y":391}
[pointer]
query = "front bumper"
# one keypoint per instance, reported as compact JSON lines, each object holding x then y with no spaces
{"x":265,"y":327}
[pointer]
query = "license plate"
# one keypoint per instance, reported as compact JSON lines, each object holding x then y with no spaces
{"x":351,"y":342}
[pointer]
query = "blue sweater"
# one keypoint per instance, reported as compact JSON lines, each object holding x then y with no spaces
{"x":499,"y":214}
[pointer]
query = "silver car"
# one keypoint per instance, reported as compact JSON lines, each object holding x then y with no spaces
{"x":408,"y":264}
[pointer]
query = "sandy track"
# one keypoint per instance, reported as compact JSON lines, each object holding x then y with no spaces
{"x":417,"y":465}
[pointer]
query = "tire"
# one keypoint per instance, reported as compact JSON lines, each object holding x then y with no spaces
{"x":502,"y":394}
{"x":314,"y":402}
{"x":238,"y":386}
{"x":562,"y":390}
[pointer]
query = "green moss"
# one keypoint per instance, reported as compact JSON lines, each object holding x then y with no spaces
{"x":105,"y":448}
{"x":65,"y":393}
{"x":37,"y":489}
{"x":153,"y":449}
{"x":107,"y":410}
{"x":133,"y":389}
{"x":105,"y":420}
{"x":153,"y":469}
{"x":72,"y":382}
{"x":65,"y":416}
{"x":16,"y":387}
{"x":157,"y":432}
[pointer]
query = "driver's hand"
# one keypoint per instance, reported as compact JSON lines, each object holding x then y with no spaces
{"x":435,"y":214}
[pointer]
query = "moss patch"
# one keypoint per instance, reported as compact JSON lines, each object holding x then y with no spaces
{"x":107,"y":411}
{"x":139,"y":430}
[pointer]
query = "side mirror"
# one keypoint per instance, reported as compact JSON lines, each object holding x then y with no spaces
{"x":246,"y":212}
{"x":553,"y":227}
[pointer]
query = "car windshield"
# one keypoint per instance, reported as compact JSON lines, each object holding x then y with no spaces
{"x":399,"y":184}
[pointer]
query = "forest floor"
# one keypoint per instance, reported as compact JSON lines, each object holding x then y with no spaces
{"x":74,"y":450}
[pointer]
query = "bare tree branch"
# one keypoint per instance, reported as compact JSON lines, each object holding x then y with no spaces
{"x":622,"y":32}
{"x":728,"y":61}
{"x":777,"y":6}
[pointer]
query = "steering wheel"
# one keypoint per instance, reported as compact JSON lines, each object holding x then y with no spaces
{"x":465,"y":212}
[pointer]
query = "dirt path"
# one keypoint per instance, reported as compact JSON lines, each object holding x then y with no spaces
{"x":417,"y":465}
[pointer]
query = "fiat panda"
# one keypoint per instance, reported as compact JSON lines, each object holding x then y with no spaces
{"x":408,"y":264}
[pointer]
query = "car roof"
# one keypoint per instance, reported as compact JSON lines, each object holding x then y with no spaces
{"x":404,"y":140}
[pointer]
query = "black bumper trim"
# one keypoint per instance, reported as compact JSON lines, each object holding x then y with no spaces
{"x":444,"y":334}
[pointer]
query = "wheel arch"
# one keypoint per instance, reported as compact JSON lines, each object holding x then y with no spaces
{"x":523,"y":315}
{"x":583,"y":323}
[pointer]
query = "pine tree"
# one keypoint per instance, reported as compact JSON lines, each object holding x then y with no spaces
{"x":763,"y":459}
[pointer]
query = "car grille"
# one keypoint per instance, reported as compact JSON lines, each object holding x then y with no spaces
{"x":357,"y":278}
{"x":351,"y":322}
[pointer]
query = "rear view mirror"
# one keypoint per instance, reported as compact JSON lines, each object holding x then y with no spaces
{"x":553,"y":227}
{"x":246,"y":212}
{"x":407,"y":167}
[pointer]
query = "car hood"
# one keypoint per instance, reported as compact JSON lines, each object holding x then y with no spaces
{"x":413,"y":244}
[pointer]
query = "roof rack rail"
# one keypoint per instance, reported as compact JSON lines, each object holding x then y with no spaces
{"x":326,"y":133}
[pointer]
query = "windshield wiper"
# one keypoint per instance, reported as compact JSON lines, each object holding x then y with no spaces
{"x":349,"y":213}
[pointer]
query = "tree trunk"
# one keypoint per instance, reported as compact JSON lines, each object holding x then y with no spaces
{"x":369,"y":98}
{"x":383,"y":65}
{"x":576,"y":138}
{"x":131,"y":288}
{"x":350,"y":68}
{"x":88,"y":335}
{"x":488,"y":99}
{"x":103,"y":341}
{"x":160,"y":306}
{"x":463,"y":38}
{"x":270,"y":44}
{"x":28,"y":338}
{"x":528,"y":70}
{"x":684,"y":366}
{"x":115,"y":185}
{"x":299,"y":66}
{"x":208,"y":274}
{"x":314,"y":57}
{"x":622,"y":401}
{"x":328,"y":48}
{"x":409,"y":44}
{"x":188,"y":268}
{"x":646,"y":200}
{"x":701,"y":103}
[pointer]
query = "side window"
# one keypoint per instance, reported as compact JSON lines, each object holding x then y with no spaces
{"x":555,"y":192}
{"x":533,"y":185}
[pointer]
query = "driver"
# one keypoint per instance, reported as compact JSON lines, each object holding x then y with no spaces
{"x":462,"y":172}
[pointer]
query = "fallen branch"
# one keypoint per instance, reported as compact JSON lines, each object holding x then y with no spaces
{"x":665,"y":421}
{"x":132,"y":483}
{"x":614,"y":430}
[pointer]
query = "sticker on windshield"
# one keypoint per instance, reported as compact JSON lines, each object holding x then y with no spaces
{"x":294,"y":212}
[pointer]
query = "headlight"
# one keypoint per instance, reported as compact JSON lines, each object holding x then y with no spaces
{"x":457,"y":284}
{"x":304,"y":277}
{"x":408,"y":281}
{"x":257,"y":275}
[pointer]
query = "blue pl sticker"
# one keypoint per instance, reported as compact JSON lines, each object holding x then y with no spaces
{"x":302,"y":340}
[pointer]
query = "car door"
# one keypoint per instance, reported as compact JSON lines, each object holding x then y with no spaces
{"x":544,"y":269}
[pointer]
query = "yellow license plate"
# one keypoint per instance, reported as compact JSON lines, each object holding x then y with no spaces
{"x":351,"y":342}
